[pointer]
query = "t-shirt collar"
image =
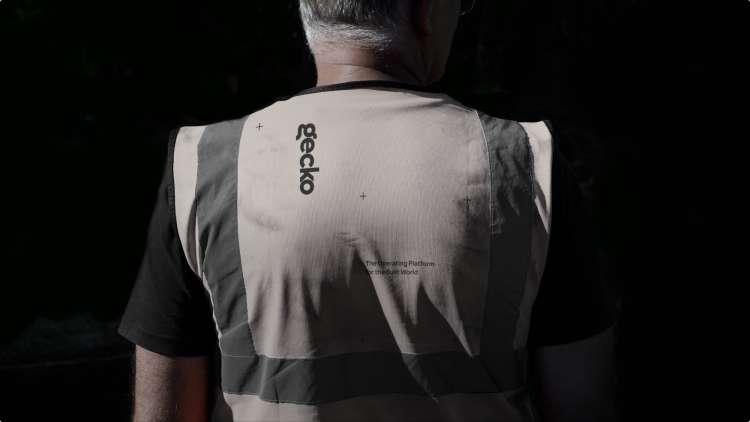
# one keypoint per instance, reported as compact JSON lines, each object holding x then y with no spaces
{"x":374,"y":83}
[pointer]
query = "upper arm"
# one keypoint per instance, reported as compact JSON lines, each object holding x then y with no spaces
{"x":168,"y":317}
{"x":574,"y":301}
{"x":169,"y":310}
{"x":570,"y":337}
{"x":576,"y":380}
{"x":170,"y":388}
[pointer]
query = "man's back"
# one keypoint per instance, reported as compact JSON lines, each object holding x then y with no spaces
{"x":369,"y":250}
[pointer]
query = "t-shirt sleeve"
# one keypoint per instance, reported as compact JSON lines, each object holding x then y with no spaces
{"x":169,"y":311}
{"x":573,"y":302}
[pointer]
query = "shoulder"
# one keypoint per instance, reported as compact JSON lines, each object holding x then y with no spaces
{"x":533,"y":136}
{"x":521,"y":155}
{"x":191,"y":136}
{"x":218,"y":131}
{"x":531,"y":142}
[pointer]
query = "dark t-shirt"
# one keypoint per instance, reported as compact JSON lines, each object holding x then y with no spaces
{"x":574,"y":301}
{"x":169,"y":311}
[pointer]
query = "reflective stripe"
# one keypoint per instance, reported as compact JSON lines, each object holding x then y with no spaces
{"x":342,"y":376}
{"x":216,"y":215}
{"x":512,"y":406}
{"x":512,"y":215}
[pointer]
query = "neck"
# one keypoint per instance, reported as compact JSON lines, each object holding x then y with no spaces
{"x":336,"y":64}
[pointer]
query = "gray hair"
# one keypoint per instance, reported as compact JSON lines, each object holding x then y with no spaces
{"x":372,"y":24}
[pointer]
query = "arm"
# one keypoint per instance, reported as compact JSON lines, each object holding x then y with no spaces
{"x":575,"y":381}
{"x":169,"y":319}
{"x":170,"y":389}
{"x":571,"y":345}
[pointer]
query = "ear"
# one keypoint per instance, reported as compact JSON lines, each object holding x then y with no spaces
{"x":422,"y":16}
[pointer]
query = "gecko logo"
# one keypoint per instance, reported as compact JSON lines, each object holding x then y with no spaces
{"x":307,"y":180}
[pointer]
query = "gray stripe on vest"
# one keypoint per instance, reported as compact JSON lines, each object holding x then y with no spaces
{"x":338,"y":377}
{"x":512,"y":212}
{"x":216,"y":214}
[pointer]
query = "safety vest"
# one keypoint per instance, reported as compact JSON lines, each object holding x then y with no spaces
{"x":371,"y":252}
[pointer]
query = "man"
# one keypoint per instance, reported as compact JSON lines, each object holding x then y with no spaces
{"x":369,"y":250}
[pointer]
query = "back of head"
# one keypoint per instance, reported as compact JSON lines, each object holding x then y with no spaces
{"x":371,"y":24}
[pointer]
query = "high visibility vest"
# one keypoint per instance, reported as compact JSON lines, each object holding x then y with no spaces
{"x":370,"y":253}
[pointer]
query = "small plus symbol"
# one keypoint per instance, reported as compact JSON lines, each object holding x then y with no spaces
{"x":363,"y":196}
{"x":259,"y":126}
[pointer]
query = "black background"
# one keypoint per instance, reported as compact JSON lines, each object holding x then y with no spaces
{"x":650,"y":97}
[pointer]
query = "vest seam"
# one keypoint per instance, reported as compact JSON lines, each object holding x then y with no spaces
{"x":492,"y":210}
{"x":489,"y":167}
{"x":198,"y":263}
{"x":171,"y":191}
{"x":522,"y":391}
{"x":236,"y":231}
